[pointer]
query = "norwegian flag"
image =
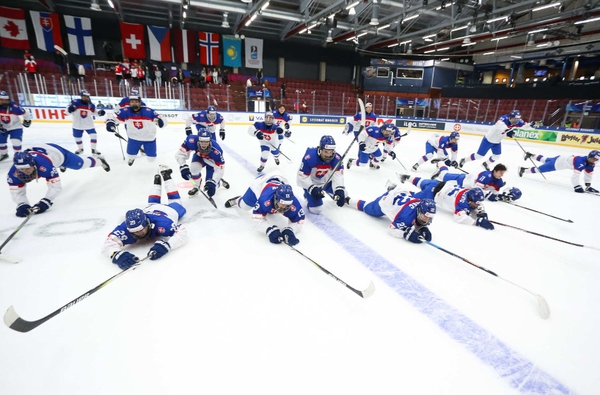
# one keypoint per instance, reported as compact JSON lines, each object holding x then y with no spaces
{"x":13,"y":31}
{"x":209,"y":48}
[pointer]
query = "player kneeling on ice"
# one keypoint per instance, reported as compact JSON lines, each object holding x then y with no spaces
{"x":157,"y":222}
{"x":315,"y":175}
{"x":140,"y":123}
{"x":83,"y":111}
{"x":390,"y":144}
{"x":42,"y":161}
{"x":490,"y":182}
{"x":269,"y":135}
{"x":368,"y":145}
{"x":268,"y":196}
{"x":208,"y":119}
{"x":207,"y":153}
{"x":466,"y":204}
{"x":564,"y":162}
{"x":10,"y":124}
{"x":410,"y":216}
{"x":440,"y":145}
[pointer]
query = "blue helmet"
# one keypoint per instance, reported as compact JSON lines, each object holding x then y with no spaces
{"x":284,"y":195}
{"x":4,"y":95}
{"x":211,"y":113}
{"x":425,"y":212}
{"x":84,"y":93}
{"x":516,"y":193}
{"x":595,"y":154}
{"x":23,"y":160}
{"x":135,"y":94}
{"x":515,"y":114}
{"x":327,"y":142}
{"x":135,"y":221}
{"x":203,"y":136}
{"x":475,"y":195}
{"x":454,"y":136}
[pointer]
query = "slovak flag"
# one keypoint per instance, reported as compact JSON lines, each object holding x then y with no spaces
{"x":185,"y":45}
{"x":79,"y":32}
{"x":160,"y":43}
{"x":132,"y":36}
{"x":209,"y":48}
{"x":13,"y":31}
{"x":47,"y":30}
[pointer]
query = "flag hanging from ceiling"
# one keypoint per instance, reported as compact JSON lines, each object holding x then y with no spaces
{"x":159,"y":40}
{"x":13,"y":31}
{"x":79,"y":34}
{"x":254,"y":53}
{"x":232,"y":51}
{"x":209,"y":48}
{"x":47,"y":30}
{"x":132,"y":39}
{"x":185,"y":45}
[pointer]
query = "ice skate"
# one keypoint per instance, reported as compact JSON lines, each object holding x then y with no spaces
{"x":79,"y":151}
{"x":103,"y":163}
{"x":3,"y":156}
{"x":485,"y":166}
{"x":260,"y":168}
{"x":462,"y":162}
{"x":277,"y":161}
{"x":522,"y":170}
{"x":231,"y":202}
{"x":403,"y":177}
{"x":415,"y":167}
{"x":165,"y":171}
{"x":528,"y":155}
{"x":349,"y":164}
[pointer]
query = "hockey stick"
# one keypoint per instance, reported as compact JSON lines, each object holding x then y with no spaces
{"x":548,"y":237}
{"x":405,"y":169}
{"x":66,"y":55}
{"x":279,"y":149}
{"x":121,"y":139}
{"x":536,"y":166}
{"x":363,"y":294}
{"x":539,"y":212}
{"x":193,"y":193}
{"x":543,"y":308}
{"x":15,"y":322}
{"x":9,"y":258}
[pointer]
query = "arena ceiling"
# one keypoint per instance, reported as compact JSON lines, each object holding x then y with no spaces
{"x":490,"y":31}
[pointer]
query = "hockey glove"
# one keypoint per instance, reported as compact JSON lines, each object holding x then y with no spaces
{"x":23,"y":210}
{"x":124,"y":259}
{"x":288,"y":134}
{"x":42,"y":206}
{"x":588,"y":188}
{"x":186,"y":174}
{"x":425,"y":233}
{"x":348,"y":128}
{"x":316,"y":192}
{"x":289,"y":237}
{"x":274,"y":235}
{"x":101,"y":113}
{"x":484,"y":223}
{"x":279,"y":130}
{"x":578,"y":189}
{"x":159,"y":122}
{"x":188,"y":131}
{"x":111,"y":127}
{"x":510,"y":133}
{"x":392,"y":155}
{"x":494,"y":197}
{"x":412,"y":235}
{"x":536,"y":124}
{"x":286,"y":125}
{"x":362,"y":147}
{"x":482,"y":214}
{"x":259,"y":135}
{"x":222,"y":134}
{"x":210,"y":187}
{"x":27,"y":123}
{"x":340,"y":197}
{"x":160,"y":248}
{"x":71,"y":108}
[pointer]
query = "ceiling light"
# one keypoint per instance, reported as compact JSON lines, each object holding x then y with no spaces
{"x":184,"y":14}
{"x":499,"y":38}
{"x":473,"y":29}
{"x":411,"y":17}
{"x":264,"y":6}
{"x":497,"y":19}
{"x":374,"y":22}
{"x":247,"y":1}
{"x":546,"y":6}
{"x":443,"y":49}
{"x":253,"y":17}
{"x":383,"y":27}
{"x":94,"y":6}
{"x":352,"y":5}
{"x":225,"y":22}
{"x":186,"y":4}
{"x":467,"y":44}
{"x":542,"y":45}
{"x":467,"y":41}
{"x":110,"y":3}
{"x":537,"y":31}
{"x":303,"y":31}
{"x":458,"y":28}
{"x":405,"y":42}
{"x":444,"y":59}
{"x":516,"y":57}
{"x":362,"y":34}
{"x":393,"y":45}
{"x":587,"y":20}
{"x":430,"y":51}
{"x":329,"y":39}
{"x":352,"y":11}
{"x":248,"y":23}
{"x":489,"y":53}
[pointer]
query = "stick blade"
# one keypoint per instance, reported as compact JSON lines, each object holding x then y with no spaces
{"x":13,"y":321}
{"x":544,"y":309}
{"x":10,"y":258}
{"x":369,"y":291}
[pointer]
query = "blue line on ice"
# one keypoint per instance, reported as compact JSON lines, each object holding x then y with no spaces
{"x":520,"y":373}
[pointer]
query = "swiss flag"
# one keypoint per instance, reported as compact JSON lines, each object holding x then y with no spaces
{"x":13,"y":31}
{"x":132,"y":39}
{"x":209,"y":48}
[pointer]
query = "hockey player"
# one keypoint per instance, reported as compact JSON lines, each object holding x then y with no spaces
{"x":141,"y":125}
{"x":83,"y":111}
{"x":370,"y":120}
{"x":42,"y":161}
{"x":267,"y":196}
{"x":159,"y":222}
{"x":440,"y":145}
{"x":410,"y":216}
{"x":368,"y":145}
{"x":490,"y":182}
{"x":563,"y":162}
{"x":207,"y":153}
{"x":269,"y":136}
{"x":465,"y":203}
{"x":315,"y":169}
{"x":209,"y":119}
{"x":505,"y":126}
{"x":283,"y":119}
{"x":135,"y":91}
{"x":10,"y":124}
{"x":390,"y":144}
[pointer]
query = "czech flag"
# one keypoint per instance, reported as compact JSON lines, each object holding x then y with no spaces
{"x":159,"y":39}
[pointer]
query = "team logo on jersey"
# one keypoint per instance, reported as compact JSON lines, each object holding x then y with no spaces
{"x":268,"y":203}
{"x":83,"y":113}
{"x":138,"y":124}
{"x":5,"y":118}
{"x":42,"y":168}
{"x":307,"y":157}
{"x":161,"y":229}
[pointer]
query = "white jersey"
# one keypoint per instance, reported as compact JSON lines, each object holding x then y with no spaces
{"x":141,"y":125}
{"x":83,"y":116}
{"x":10,"y":116}
{"x":453,"y":198}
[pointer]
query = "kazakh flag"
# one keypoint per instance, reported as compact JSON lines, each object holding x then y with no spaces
{"x":232,"y":51}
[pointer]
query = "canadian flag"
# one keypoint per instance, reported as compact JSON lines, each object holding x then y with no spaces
{"x":132,"y":36}
{"x":13,"y":31}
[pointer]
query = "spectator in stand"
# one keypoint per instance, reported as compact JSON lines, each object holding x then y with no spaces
{"x":215,"y":76}
{"x":283,"y":90}
{"x":193,"y":78}
{"x":296,"y":107}
{"x":126,"y":73}
{"x":31,"y":66}
{"x":141,"y":75}
{"x":59,"y":60}
{"x":203,"y":73}
{"x":100,"y":105}
{"x":119,"y":74}
{"x":180,"y":76}
{"x":81,"y":72}
{"x":150,"y":75}
{"x":225,"y":76}
{"x":73,"y":74}
{"x":27,"y":55}
{"x":158,"y":75}
{"x":259,"y":77}
{"x":209,"y":76}
{"x":304,"y":108}
{"x":107,"y":46}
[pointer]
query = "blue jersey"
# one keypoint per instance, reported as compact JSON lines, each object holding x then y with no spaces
{"x":160,"y":226}
{"x":43,"y":164}
{"x":125,"y":103}
{"x":269,"y":132}
{"x":444,"y":143}
{"x":213,"y":158}
{"x":486,"y":181}
{"x":314,"y":171}
{"x":266,"y":202}
{"x":580,"y":163}
{"x":281,"y":118}
{"x":370,"y":118}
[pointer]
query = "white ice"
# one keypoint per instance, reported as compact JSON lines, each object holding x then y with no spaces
{"x":230,"y":313}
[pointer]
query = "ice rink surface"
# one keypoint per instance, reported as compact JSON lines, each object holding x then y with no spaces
{"x":230,"y":313}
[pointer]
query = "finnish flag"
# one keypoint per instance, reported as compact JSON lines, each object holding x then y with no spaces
{"x":79,"y":32}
